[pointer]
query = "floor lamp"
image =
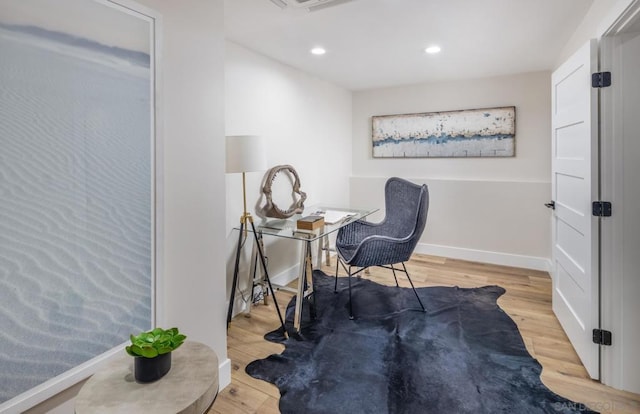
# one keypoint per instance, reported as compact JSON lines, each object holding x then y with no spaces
{"x":246,"y":153}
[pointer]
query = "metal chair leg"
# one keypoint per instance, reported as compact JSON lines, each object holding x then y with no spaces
{"x":394,"y":275}
{"x":350,"y":302}
{"x":335,"y":285}
{"x":413,"y":287}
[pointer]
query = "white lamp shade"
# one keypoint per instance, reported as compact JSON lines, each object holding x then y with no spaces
{"x":245,"y":153}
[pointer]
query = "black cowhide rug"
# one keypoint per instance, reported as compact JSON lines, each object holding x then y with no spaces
{"x":464,"y":355}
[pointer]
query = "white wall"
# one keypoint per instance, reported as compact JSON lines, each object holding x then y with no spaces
{"x":600,"y":16}
{"x":486,"y":209}
{"x":193,"y":108}
{"x":193,"y":133}
{"x":307,"y":124}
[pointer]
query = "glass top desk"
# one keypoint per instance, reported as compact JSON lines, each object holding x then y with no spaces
{"x":335,"y":218}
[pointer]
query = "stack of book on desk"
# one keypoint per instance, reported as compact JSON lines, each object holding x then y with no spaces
{"x":310,"y":223}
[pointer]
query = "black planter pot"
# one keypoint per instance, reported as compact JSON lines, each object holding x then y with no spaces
{"x":151,"y":369}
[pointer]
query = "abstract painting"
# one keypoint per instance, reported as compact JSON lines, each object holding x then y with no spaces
{"x":76,"y":188}
{"x":488,"y":132}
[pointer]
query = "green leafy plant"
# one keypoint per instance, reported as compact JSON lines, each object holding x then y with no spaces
{"x":156,"y":342}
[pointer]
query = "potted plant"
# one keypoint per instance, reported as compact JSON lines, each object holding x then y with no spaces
{"x":152,"y":352}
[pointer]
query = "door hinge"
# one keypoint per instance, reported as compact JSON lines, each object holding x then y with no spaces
{"x":601,"y":337}
{"x":600,"y":79}
{"x":601,"y":209}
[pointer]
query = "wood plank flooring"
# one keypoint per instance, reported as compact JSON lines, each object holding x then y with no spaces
{"x":527,"y":301}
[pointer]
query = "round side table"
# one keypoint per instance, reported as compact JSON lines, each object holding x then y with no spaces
{"x":190,"y":387}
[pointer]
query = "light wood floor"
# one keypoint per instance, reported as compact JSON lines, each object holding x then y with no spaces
{"x":527,"y":301}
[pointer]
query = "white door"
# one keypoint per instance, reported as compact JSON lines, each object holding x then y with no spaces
{"x":574,"y":186}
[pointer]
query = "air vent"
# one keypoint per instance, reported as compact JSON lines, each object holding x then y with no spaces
{"x":311,"y":5}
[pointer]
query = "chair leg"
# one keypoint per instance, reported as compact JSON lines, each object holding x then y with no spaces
{"x":350,"y":302}
{"x":413,"y":287}
{"x":394,"y":275}
{"x":335,"y":285}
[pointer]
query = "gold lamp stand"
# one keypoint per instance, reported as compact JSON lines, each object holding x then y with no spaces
{"x":246,"y":216}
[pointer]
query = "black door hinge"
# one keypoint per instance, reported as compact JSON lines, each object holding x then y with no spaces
{"x":601,"y":337}
{"x":601,"y":209}
{"x":600,"y":79}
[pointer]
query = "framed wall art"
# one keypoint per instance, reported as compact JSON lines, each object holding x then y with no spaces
{"x":77,"y":182}
{"x":487,"y":132}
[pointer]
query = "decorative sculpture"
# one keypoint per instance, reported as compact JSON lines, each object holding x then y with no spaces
{"x":271,"y":209}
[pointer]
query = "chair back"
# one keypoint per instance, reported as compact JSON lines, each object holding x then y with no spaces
{"x":406,"y":206}
{"x":363,"y":244}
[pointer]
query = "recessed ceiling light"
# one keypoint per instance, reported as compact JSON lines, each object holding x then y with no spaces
{"x":432,"y":49}
{"x":318,"y":51}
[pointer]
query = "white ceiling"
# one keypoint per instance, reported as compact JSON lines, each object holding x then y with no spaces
{"x":380,"y":43}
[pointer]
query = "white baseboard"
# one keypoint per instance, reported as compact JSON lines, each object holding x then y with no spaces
{"x":504,"y":259}
{"x":482,"y":256}
{"x":224,"y":374}
{"x":286,"y":277}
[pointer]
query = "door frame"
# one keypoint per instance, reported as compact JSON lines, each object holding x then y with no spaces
{"x":612,"y":281}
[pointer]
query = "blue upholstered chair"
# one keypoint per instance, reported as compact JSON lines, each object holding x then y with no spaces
{"x":363,"y":244}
